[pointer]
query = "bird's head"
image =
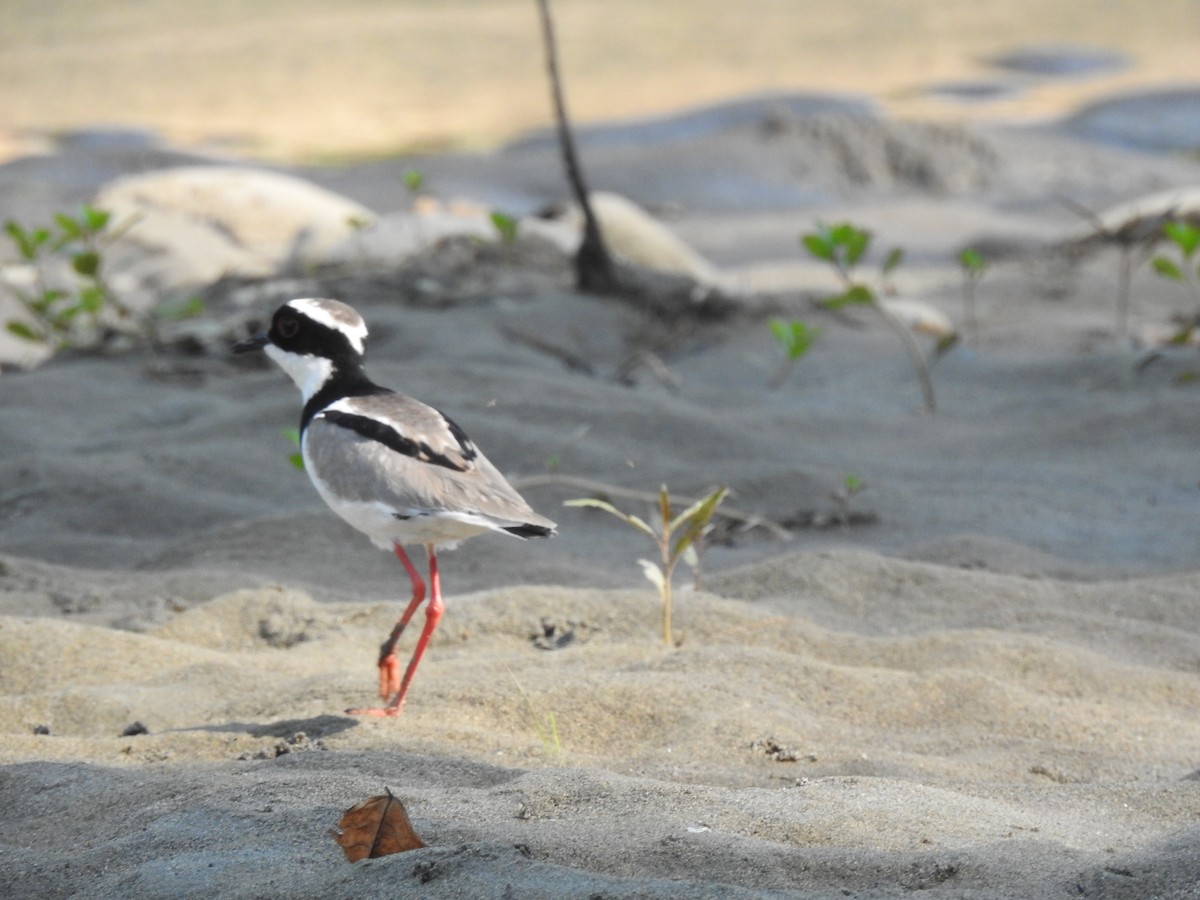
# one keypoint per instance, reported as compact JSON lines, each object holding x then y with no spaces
{"x":312,"y":340}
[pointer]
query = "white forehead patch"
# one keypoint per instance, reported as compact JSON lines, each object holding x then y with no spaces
{"x":336,"y":315}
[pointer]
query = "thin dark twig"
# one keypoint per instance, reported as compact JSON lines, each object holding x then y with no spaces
{"x":566,"y":356}
{"x":594,"y":269}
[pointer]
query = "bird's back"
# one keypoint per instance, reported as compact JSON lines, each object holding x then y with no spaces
{"x":412,"y":464}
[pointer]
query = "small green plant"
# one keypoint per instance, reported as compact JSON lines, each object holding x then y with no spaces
{"x":973,"y":266}
{"x":678,"y":536}
{"x":414,"y":180}
{"x":65,"y":315}
{"x":1185,"y":238}
{"x":844,"y":246}
{"x":850,"y":488}
{"x":296,"y":458}
{"x":795,"y":337}
{"x":505,"y":225}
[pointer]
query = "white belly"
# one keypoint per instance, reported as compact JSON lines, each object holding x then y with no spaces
{"x":379,"y":522}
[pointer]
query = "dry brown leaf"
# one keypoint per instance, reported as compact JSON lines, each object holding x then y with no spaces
{"x":376,"y":827}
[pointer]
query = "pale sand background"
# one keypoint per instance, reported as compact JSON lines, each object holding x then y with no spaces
{"x":295,"y":79}
{"x":990,"y":693}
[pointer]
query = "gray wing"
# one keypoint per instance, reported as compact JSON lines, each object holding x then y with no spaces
{"x":395,"y":450}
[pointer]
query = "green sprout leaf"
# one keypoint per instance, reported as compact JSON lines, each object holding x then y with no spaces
{"x":854,"y":295}
{"x":796,"y":337}
{"x":819,"y":245}
{"x":42,"y":305}
{"x":505,"y":225}
{"x":68,"y":316}
{"x":23,"y":331}
{"x":95,"y":220}
{"x":1184,"y":235}
{"x":854,"y":241}
{"x":86,"y":264}
{"x":1182,"y":336}
{"x":946,"y":343}
{"x":91,"y":299}
{"x":28,"y":243}
{"x":894,"y":258}
{"x":293,"y":436}
{"x":1166,"y":268}
{"x":70,"y":228}
{"x":633,"y":520}
{"x":972,"y":261}
{"x":64,"y":313}
{"x":664,"y":507}
{"x":694,"y":520}
{"x":414,"y":180}
{"x":842,"y":244}
{"x":676,"y":536}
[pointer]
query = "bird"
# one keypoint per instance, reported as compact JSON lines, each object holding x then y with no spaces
{"x":401,"y":472}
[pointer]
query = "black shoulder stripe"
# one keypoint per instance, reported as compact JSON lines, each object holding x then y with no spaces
{"x":351,"y":385}
{"x":374,"y":430}
{"x":465,"y":444}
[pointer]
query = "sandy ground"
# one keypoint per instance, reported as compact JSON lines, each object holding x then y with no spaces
{"x":989,"y":691}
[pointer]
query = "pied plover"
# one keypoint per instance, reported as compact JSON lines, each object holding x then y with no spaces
{"x":397,"y":470}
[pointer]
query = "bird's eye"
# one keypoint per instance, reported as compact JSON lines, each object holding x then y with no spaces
{"x":288,"y":327}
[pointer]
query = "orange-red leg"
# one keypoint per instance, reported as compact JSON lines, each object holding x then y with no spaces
{"x":389,"y":666}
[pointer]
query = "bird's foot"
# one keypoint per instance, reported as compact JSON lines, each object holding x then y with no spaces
{"x":389,"y":675}
{"x":382,"y":712}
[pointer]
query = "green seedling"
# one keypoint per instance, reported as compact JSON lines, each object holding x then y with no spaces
{"x":677,"y":537}
{"x":414,"y":180}
{"x":296,"y":458}
{"x":1185,"y":238}
{"x":65,"y":316}
{"x":851,"y":487}
{"x":29,"y":243}
{"x":795,"y":337}
{"x":505,"y":225}
{"x":890,"y":263}
{"x":973,"y":266}
{"x":844,"y":246}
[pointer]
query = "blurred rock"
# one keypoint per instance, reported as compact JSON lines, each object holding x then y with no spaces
{"x":186,"y":227}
